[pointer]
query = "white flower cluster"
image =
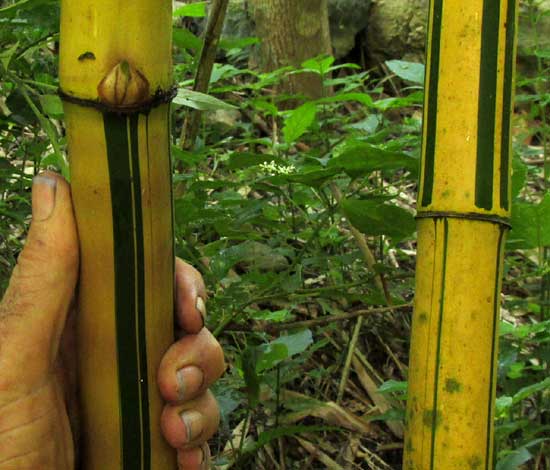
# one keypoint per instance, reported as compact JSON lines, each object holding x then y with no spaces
{"x":273,"y":169}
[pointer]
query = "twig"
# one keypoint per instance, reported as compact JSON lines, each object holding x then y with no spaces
{"x":380,"y":283}
{"x":212,"y":34}
{"x":364,"y":248}
{"x":349,"y":357}
{"x":275,"y":328}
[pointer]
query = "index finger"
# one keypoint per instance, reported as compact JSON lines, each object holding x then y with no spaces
{"x":190,"y":298}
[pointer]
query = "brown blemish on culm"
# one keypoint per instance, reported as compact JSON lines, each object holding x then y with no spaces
{"x":86,"y":56}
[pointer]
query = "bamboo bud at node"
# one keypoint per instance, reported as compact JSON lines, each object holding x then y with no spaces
{"x":123,"y":86}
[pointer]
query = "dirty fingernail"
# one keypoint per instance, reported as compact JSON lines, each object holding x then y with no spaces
{"x":201,"y":307}
{"x":193,"y":422}
{"x":190,"y":380}
{"x":43,"y":197}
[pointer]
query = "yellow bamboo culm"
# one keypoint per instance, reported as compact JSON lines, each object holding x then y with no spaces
{"x":116,"y":82}
{"x":463,"y":210}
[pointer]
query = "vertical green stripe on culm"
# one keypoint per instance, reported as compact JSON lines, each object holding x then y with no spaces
{"x":142,"y":338}
{"x":507,"y":105}
{"x":494,"y":339}
{"x":487,"y":104}
{"x":129,"y":301}
{"x":435,"y":414}
{"x":430,"y":113}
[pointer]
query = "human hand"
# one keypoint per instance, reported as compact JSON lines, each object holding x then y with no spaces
{"x":34,"y":423}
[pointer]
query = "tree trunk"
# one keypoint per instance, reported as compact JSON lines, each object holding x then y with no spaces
{"x":463,"y":210}
{"x":292,"y":32}
{"x":116,"y":80}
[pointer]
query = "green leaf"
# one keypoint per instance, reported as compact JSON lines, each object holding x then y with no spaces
{"x":320,"y":64}
{"x":361,"y":158}
{"x":12,"y":10}
{"x":282,"y":348}
{"x":252,"y":380}
{"x":362,"y":98}
{"x":415,"y":98}
{"x":313,"y":178}
{"x":409,"y":71}
{"x":519,"y":176}
{"x":185,"y":39}
{"x":530,"y":390}
{"x":393,"y":386}
{"x":195,"y":10}
{"x":530,"y":224}
{"x":240,"y":160}
{"x":7,"y":54}
{"x":514,"y":460}
{"x":268,"y":315}
{"x":52,"y":105}
{"x":373,"y":217}
{"x":238,"y":43}
{"x":200,"y":101}
{"x":298,"y":121}
{"x":268,"y":436}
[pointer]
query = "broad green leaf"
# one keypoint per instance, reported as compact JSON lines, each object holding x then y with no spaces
{"x":240,"y":160}
{"x":237,"y":43}
{"x":249,"y":359}
{"x":52,"y":105}
{"x":12,"y":10}
{"x":185,"y":39}
{"x":514,"y":460}
{"x":313,"y":178}
{"x":273,"y":316}
{"x":223,"y":71}
{"x":373,"y":217}
{"x":393,"y":386}
{"x":281,"y":431}
{"x":7,"y":54}
{"x":298,"y":121}
{"x":360,"y":158}
{"x":196,"y":10}
{"x":362,"y":98}
{"x":320,"y":65}
{"x":200,"y":101}
{"x":409,"y":71}
{"x":530,"y":390}
{"x":282,"y":348}
{"x":519,"y":176}
{"x":415,"y":98}
{"x":368,"y":125}
{"x":530,"y":224}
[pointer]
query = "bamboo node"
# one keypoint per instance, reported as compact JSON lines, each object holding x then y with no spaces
{"x":124,"y":85}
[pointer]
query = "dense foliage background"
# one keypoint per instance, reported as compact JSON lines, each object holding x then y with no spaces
{"x":263,"y":207}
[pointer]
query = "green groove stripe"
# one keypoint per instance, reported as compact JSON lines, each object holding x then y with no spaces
{"x":507,"y":105}
{"x":122,"y":158}
{"x":487,"y":104}
{"x":172,"y":212}
{"x":430,"y":113}
{"x":496,"y":316}
{"x":435,"y":414}
{"x":142,"y":339}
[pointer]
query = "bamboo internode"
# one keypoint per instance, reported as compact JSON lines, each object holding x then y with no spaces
{"x":463,"y":208}
{"x":115,"y":74}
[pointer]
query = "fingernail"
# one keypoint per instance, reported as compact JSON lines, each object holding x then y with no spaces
{"x":192,"y":420}
{"x":43,"y":197}
{"x":204,"y":457}
{"x":190,"y":380}
{"x":201,"y":307}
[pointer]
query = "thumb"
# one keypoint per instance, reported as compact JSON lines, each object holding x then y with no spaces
{"x":40,"y":292}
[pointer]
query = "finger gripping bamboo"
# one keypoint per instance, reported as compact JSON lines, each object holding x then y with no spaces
{"x":115,"y":62}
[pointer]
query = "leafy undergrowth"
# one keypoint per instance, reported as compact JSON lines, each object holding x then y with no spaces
{"x":263,"y":207}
